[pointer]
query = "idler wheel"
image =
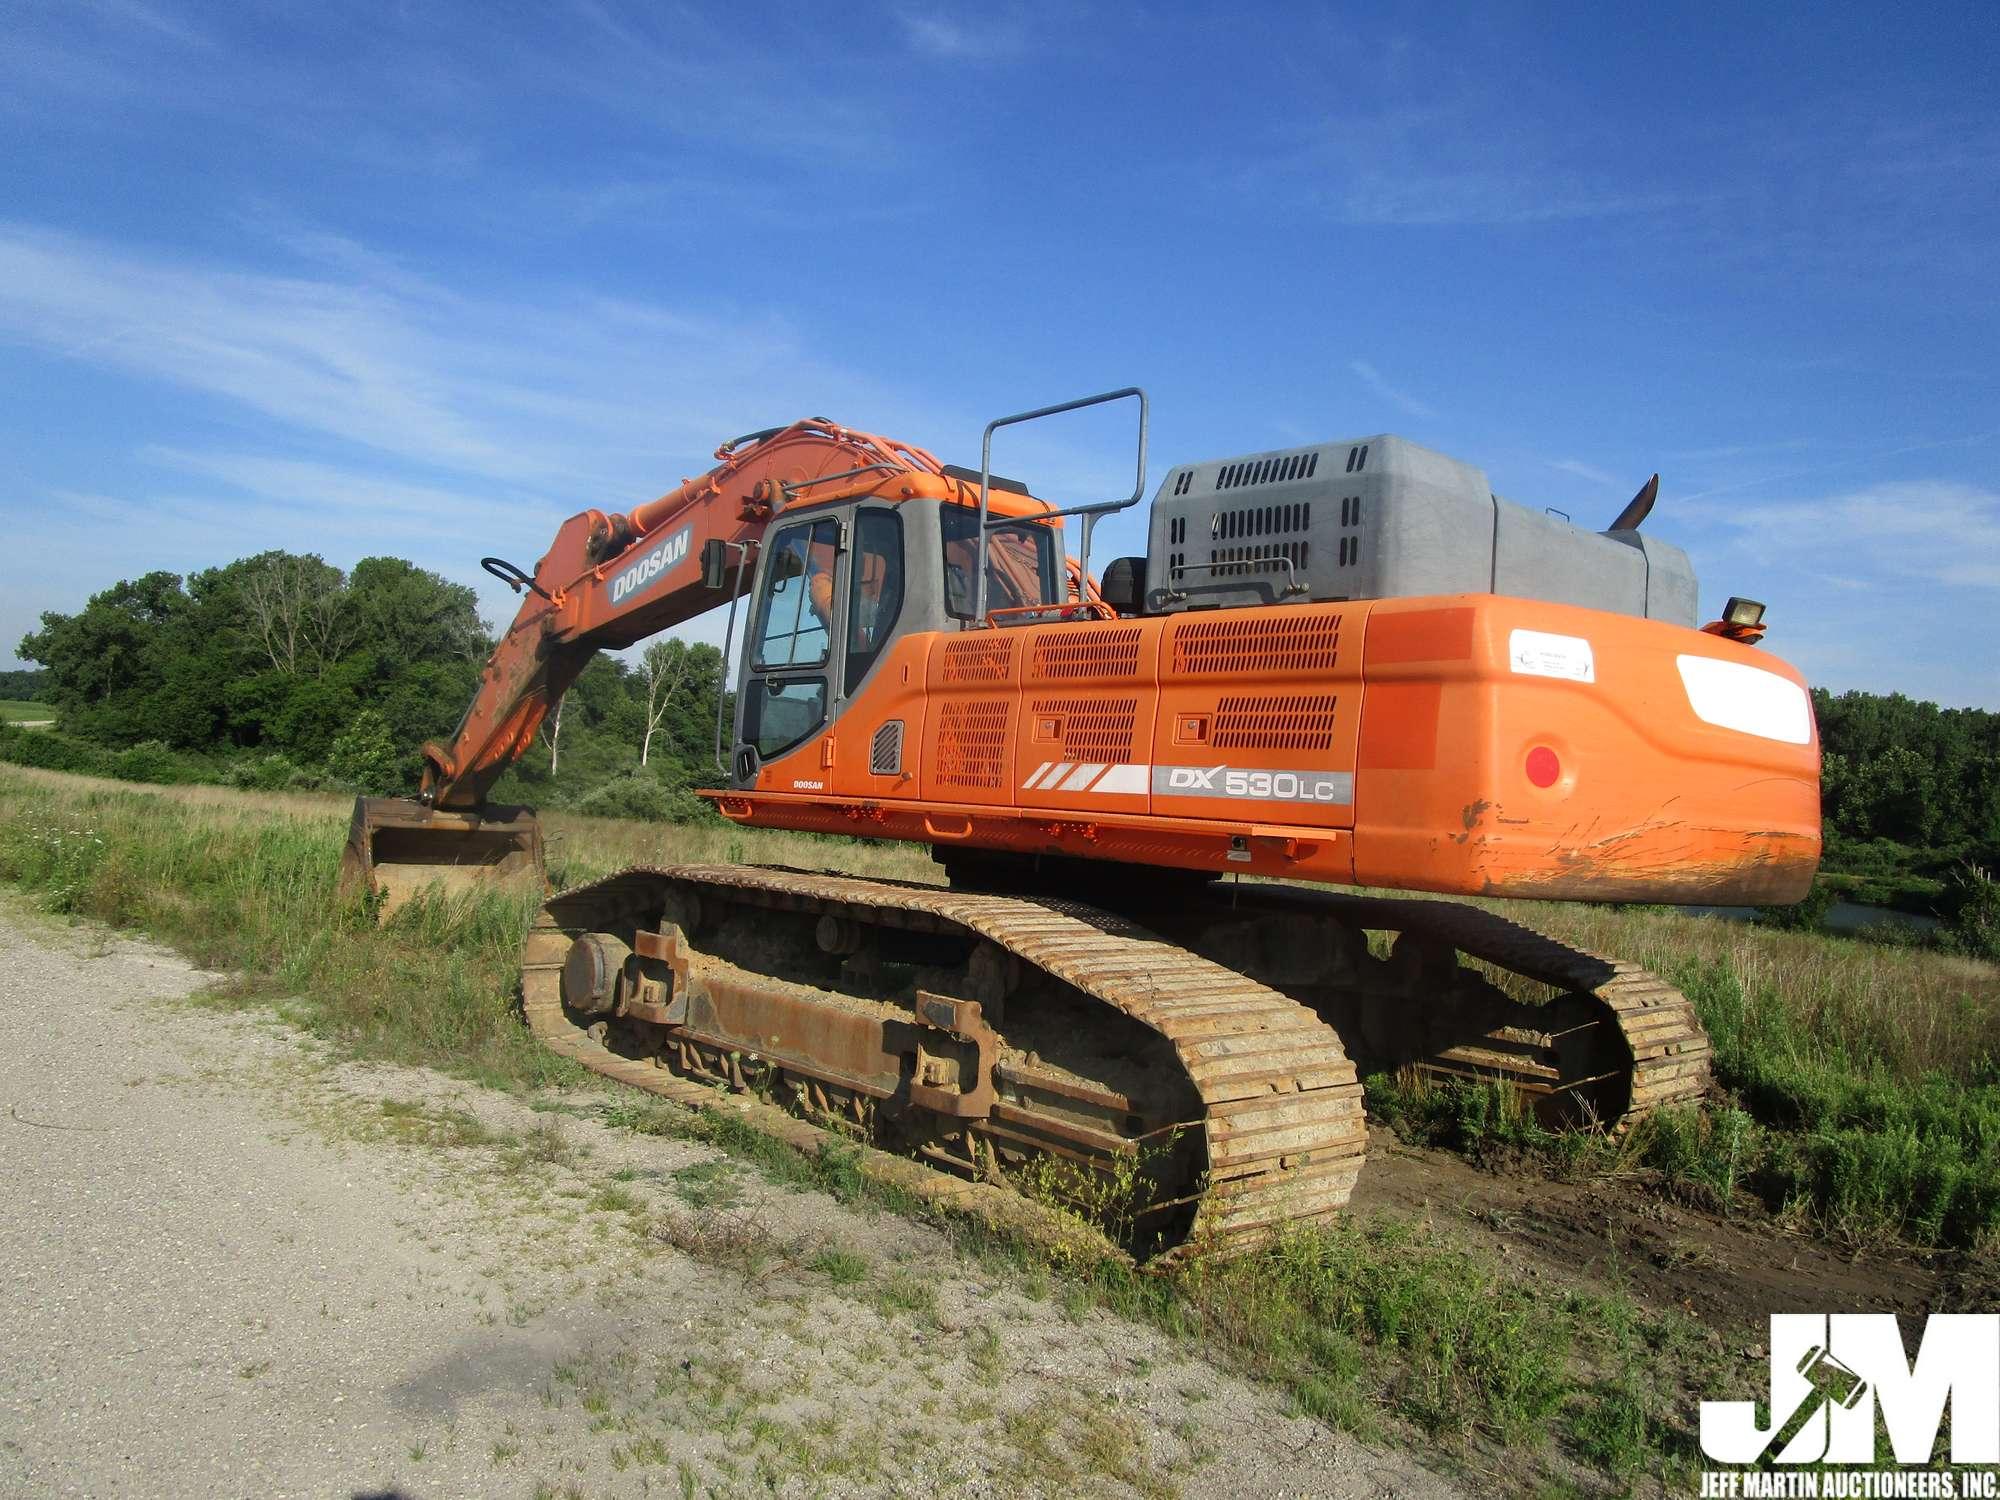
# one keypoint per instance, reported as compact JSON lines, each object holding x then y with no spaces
{"x":590,"y":973}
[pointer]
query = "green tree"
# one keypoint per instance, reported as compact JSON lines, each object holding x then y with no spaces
{"x":366,"y":757}
{"x":102,"y":659}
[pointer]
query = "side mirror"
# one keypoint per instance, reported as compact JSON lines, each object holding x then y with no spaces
{"x":714,"y":564}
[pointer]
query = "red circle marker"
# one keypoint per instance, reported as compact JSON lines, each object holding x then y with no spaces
{"x":1543,"y":767}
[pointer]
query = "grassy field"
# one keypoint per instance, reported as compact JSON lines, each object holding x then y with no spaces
{"x":1863,"y":1100}
{"x":1862,"y":1082}
{"x":19,"y":711}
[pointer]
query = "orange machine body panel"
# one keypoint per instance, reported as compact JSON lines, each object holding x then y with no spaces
{"x":1474,"y":744}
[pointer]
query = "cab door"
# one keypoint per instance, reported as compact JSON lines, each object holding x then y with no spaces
{"x":788,"y":654}
{"x":829,"y":601}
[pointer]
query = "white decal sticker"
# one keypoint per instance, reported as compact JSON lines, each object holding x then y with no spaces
{"x":1335,"y":787}
{"x":1536,"y":653}
{"x":1056,"y":773}
{"x":649,"y":569}
{"x":1128,"y":781}
{"x":1736,"y":695}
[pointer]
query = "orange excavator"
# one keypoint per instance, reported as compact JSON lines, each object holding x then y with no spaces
{"x":1343,"y":664}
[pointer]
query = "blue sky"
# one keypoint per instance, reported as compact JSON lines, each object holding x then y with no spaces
{"x":426,"y":279}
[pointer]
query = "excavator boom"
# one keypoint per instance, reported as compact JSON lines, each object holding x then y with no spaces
{"x":607,"y":581}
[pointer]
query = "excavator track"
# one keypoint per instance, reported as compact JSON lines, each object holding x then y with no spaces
{"x":1017,"y":1042}
{"x":1612,"y":1044}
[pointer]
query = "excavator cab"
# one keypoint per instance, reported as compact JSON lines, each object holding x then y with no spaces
{"x":839,"y":585}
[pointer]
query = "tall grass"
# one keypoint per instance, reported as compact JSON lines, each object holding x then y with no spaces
{"x":246,"y":884}
{"x":1863,"y":1082}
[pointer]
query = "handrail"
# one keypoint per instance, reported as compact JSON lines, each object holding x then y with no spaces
{"x":1090,"y":513}
{"x":728,"y":641}
{"x":1292,"y":584}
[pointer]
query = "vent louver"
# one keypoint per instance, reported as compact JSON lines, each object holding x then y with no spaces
{"x":1268,"y":471}
{"x":1095,"y":652}
{"x":1275,"y":723}
{"x":972,"y":744}
{"x":1096,"y":730}
{"x":1299,"y":641}
{"x":978,"y":658}
{"x":885,"y":751}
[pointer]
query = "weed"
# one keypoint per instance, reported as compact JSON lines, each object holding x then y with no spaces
{"x":615,"y":1198}
{"x":546,"y":1144}
{"x":708,"y":1184}
{"x":837,"y":1170}
{"x":906,"y":1292}
{"x":646,"y":1116}
{"x":645,"y":1450}
{"x":986,"y":1354}
{"x":423,"y":1125}
{"x":841,"y":1267}
{"x":736,"y":1241}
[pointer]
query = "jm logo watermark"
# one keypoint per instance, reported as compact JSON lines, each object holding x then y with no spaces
{"x":1831,"y":1376}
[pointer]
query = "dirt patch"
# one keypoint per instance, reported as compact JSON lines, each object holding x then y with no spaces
{"x":1625,"y":1234}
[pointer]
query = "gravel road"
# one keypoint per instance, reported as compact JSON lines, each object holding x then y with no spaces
{"x":237,"y":1267}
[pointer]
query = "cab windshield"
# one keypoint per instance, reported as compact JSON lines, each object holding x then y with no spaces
{"x":1020,"y":562}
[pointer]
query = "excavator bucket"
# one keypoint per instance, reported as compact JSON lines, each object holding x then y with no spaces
{"x":399,"y":847}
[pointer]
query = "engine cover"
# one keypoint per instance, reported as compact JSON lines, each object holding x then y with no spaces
{"x":1382,"y":518}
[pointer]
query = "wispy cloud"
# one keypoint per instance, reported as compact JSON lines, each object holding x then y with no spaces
{"x":315,"y":492}
{"x":1495,"y":195}
{"x":1583,"y":470}
{"x":1372,"y":378}
{"x":1425,"y":138}
{"x":416,"y":91}
{"x":1936,"y":532}
{"x":396,"y":415}
{"x":570,"y":389}
{"x":962,"y":34}
{"x":1738,"y":450}
{"x":1863,"y":455}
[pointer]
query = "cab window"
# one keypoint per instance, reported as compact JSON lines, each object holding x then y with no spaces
{"x":875,"y":597}
{"x":778,"y":712}
{"x":1020,"y":562}
{"x":794,"y":614}
{"x":784,"y":701}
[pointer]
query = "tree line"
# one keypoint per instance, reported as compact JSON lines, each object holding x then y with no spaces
{"x":1909,"y":793}
{"x":282,"y":671}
